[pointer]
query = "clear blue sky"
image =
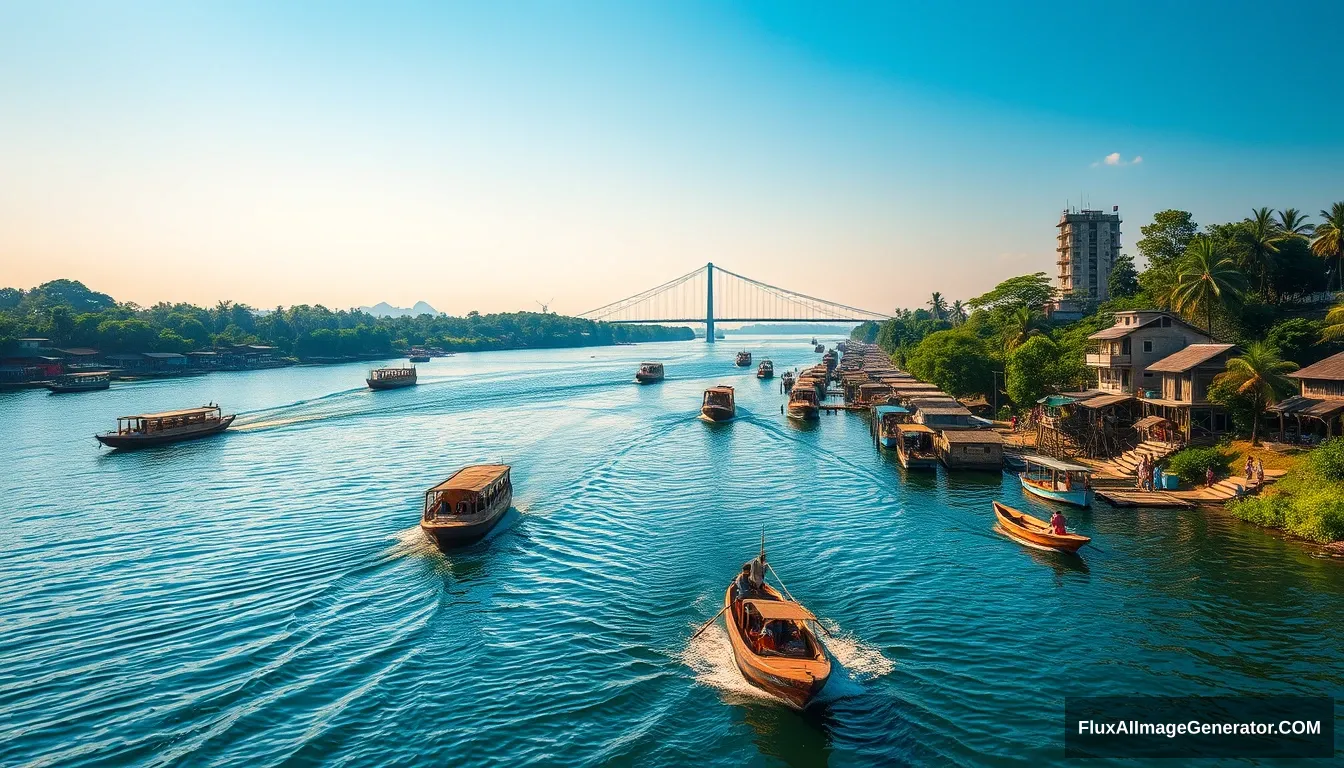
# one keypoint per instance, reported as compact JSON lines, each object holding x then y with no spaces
{"x":479,"y":156}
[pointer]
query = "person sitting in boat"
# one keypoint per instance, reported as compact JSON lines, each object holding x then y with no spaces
{"x":1057,"y":524}
{"x":766,"y":641}
{"x":743,"y":582}
{"x":756,"y":574}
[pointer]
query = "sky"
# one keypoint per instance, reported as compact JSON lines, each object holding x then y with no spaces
{"x":487,"y":155}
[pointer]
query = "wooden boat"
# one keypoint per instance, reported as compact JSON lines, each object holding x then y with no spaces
{"x":168,"y":427}
{"x":803,"y":403}
{"x":649,"y":373}
{"x":766,"y":370}
{"x":467,"y":505}
{"x":915,"y":448}
{"x":1034,"y":530}
{"x":718,"y":404}
{"x":814,"y":340}
{"x":87,"y":381}
{"x":391,"y":378}
{"x":743,"y":358}
{"x":1057,"y":480}
{"x":795,"y":674}
{"x":889,"y":419}
{"x":786,"y":381}
{"x":819,"y":348}
{"x":418,"y":356}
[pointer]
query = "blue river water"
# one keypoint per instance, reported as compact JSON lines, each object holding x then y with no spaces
{"x":265,"y":598}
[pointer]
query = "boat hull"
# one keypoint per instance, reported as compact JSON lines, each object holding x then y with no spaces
{"x":717,"y":413}
{"x":804,"y":412}
{"x":446,"y":534}
{"x":390,"y":383}
{"x":1078,"y":498}
{"x":888,"y":442}
{"x":644,"y":378}
{"x":64,"y":389}
{"x":911,"y":461}
{"x":1031,"y":530}
{"x":418,"y":359}
{"x":798,"y":683}
{"x":765,"y":374}
{"x":125,"y":442}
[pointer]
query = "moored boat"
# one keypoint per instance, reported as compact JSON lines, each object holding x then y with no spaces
{"x":391,"y":378}
{"x":1035,"y":531}
{"x":914,"y":447}
{"x":786,"y":381}
{"x":467,"y":505}
{"x":803,"y":403}
{"x":649,"y":373}
{"x":1057,"y":480}
{"x":418,"y":356}
{"x":766,"y":370}
{"x":743,"y":358}
{"x":167,"y":427}
{"x":773,"y":645}
{"x":889,"y":418}
{"x":718,"y":404}
{"x":86,"y":381}
{"x":819,"y":348}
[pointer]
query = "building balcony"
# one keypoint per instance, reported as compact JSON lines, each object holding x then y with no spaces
{"x":1106,"y":360}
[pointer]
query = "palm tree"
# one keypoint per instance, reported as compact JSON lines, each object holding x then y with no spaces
{"x":1334,"y":323}
{"x":1022,"y":324}
{"x":1329,"y":240}
{"x":938,"y":306}
{"x":1204,"y":278}
{"x":1262,"y":236}
{"x":1258,"y":374}
{"x":958,"y":312}
{"x":1293,"y":223}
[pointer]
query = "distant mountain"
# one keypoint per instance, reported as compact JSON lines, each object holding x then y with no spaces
{"x":383,"y":309}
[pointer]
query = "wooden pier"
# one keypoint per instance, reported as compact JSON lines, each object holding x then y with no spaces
{"x":1136,"y":498}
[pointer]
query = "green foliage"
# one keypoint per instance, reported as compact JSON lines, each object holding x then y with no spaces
{"x":1329,"y":240}
{"x":1034,"y":371}
{"x":957,"y":361}
{"x":865,"y":332}
{"x":1031,"y":291}
{"x":1206,"y":279}
{"x":1296,"y":340}
{"x":1123,"y":281}
{"x":1164,"y":241}
{"x":1191,"y":464}
{"x":1258,"y":377}
{"x":1308,"y":502}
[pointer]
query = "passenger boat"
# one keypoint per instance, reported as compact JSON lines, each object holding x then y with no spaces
{"x":786,"y":381}
{"x":819,"y":348}
{"x":419,"y":356}
{"x":87,"y":381}
{"x":467,"y":505}
{"x":889,"y":420}
{"x":797,"y":671}
{"x":168,"y":427}
{"x":803,"y":403}
{"x":915,"y":447}
{"x":766,"y":370}
{"x":391,"y":378}
{"x":814,"y":340}
{"x":1057,"y":480}
{"x":743,"y":358}
{"x":718,"y":404}
{"x":649,"y":373}
{"x":1036,"y":531}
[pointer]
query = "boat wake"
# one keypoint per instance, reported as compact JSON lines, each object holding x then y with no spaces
{"x":857,"y":663}
{"x":710,"y":656}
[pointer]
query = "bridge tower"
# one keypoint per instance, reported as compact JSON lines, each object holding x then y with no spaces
{"x":709,"y":303}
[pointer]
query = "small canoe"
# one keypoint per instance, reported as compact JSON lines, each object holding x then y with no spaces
{"x":1034,"y":530}
{"x":796,"y":674}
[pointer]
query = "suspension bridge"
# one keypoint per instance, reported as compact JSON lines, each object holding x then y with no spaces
{"x":711,"y":294}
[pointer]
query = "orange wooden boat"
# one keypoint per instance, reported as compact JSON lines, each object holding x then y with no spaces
{"x":1034,"y":530}
{"x":796,"y":672}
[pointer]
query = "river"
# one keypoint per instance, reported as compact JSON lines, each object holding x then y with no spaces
{"x":265,"y":598}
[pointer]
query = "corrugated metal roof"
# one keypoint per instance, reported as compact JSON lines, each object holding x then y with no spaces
{"x":1309,"y":406}
{"x":1329,"y":369}
{"x":1191,"y":356}
{"x":473,"y":478}
{"x":981,"y":436}
{"x":1103,"y":401}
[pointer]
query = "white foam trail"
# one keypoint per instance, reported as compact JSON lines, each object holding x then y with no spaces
{"x":711,"y":657}
{"x":412,"y":542}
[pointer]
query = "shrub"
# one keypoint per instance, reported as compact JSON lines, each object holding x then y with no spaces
{"x":1191,"y":464}
{"x":1328,"y":460}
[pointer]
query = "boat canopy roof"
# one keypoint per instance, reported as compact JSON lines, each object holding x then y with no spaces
{"x":650,"y":365}
{"x":780,"y":609}
{"x":202,"y":411}
{"x":913,"y":428}
{"x":721,"y":389}
{"x":1049,"y":463}
{"x":474,"y":478}
{"x":883,"y":410}
{"x":89,"y":374}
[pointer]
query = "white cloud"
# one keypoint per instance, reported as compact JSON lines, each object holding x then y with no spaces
{"x":1115,"y":159}
{"x":1137,"y":159}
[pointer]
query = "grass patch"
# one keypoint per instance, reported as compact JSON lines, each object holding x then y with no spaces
{"x":1191,"y":464}
{"x":1308,"y":501}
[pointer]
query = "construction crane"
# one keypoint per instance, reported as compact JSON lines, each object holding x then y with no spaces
{"x":545,"y":307}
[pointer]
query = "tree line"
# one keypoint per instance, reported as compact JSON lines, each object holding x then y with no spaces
{"x":72,"y":315}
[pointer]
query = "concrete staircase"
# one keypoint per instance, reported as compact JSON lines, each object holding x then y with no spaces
{"x":1127,"y":463}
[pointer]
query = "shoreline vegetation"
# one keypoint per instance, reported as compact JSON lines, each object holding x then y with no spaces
{"x":71,"y":315}
{"x":1265,"y":283}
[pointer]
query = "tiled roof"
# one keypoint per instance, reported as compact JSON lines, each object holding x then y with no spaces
{"x":1329,"y":369}
{"x":1191,"y":356}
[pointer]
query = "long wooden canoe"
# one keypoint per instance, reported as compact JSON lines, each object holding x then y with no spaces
{"x":793,"y":678}
{"x":1034,"y":530}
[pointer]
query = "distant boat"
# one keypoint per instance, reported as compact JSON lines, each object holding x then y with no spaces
{"x":786,"y":381}
{"x":915,"y":447}
{"x":87,"y":381}
{"x":391,"y":378}
{"x":718,"y":404}
{"x":167,"y":427}
{"x":813,"y":341}
{"x":649,"y":373}
{"x":819,"y":348}
{"x":467,"y":505}
{"x":766,"y":370}
{"x":743,"y":358}
{"x":419,"y":356}
{"x":803,"y":403}
{"x":719,"y":335}
{"x":1058,"y":481}
{"x":1033,"y":530}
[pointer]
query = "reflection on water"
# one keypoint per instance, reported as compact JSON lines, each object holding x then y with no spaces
{"x":266,"y":597}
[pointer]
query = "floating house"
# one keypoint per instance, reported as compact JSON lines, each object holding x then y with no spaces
{"x":969,"y":448}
